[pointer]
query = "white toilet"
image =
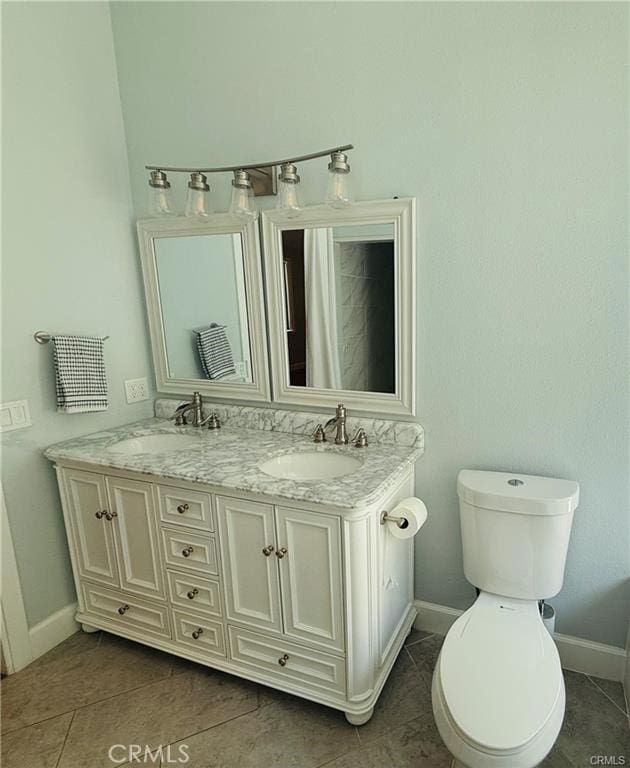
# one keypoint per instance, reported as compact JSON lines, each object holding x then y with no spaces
{"x":498,"y":690}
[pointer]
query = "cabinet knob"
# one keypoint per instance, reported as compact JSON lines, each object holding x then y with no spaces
{"x":196,"y":633}
{"x":281,"y":552}
{"x":182,"y":508}
{"x":188,"y":551}
{"x":99,"y":514}
{"x":283,"y":660}
{"x":123,"y":609}
{"x":268,"y":550}
{"x":190,"y":595}
{"x":111,"y":515}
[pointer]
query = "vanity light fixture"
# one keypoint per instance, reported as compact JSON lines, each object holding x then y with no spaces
{"x":243,"y":189}
{"x":338,"y":193}
{"x":197,"y":197}
{"x":289,"y":199}
{"x":159,"y":194}
{"x":241,"y":203}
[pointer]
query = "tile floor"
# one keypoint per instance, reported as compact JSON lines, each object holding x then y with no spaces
{"x":94,"y":691}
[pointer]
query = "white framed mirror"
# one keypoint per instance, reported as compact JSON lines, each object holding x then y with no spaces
{"x":341,"y":305}
{"x":204,"y":296}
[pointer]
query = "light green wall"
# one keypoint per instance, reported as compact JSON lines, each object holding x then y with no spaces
{"x":509,"y":123}
{"x":69,"y":259}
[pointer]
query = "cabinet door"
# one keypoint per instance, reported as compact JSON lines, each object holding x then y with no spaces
{"x":310,"y":577}
{"x":252,"y":589}
{"x":137,"y":545}
{"x":95,"y":554}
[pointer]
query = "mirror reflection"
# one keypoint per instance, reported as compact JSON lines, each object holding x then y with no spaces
{"x":201,"y":284}
{"x":340,"y":307}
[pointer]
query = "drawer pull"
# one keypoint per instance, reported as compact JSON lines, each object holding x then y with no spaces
{"x":283,"y":660}
{"x":194,"y":591}
{"x":111,"y":515}
{"x":281,"y":552}
{"x":268,"y":550}
{"x":196,"y":633}
{"x":188,"y":551}
{"x":183,"y":508}
{"x":99,"y":514}
{"x":123,"y":609}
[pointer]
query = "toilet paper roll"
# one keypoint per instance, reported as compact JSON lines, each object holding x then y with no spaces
{"x":414,"y":512}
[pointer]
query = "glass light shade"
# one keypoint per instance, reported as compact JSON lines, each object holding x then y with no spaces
{"x":198,"y":196}
{"x":288,"y":191}
{"x":160,"y":202}
{"x":197,"y":203}
{"x":242,"y":200}
{"x":338,"y":193}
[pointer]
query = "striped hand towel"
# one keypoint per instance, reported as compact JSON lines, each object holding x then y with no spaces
{"x":79,"y":374}
{"x":214,"y":350}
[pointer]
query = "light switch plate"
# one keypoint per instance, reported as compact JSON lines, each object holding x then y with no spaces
{"x":136,"y":390}
{"x":14,"y":415}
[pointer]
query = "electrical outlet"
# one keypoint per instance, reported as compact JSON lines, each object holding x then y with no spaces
{"x":136,"y":390}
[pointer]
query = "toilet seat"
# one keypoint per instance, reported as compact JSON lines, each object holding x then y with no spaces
{"x":499,"y":675}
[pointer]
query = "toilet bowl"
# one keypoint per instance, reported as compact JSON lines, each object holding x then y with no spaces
{"x":498,"y":692}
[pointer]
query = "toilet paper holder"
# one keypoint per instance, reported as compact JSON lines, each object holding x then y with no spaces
{"x":401,"y":522}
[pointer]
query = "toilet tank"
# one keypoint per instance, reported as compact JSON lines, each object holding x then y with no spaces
{"x":515,"y":531}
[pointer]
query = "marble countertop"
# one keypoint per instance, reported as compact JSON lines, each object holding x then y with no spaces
{"x":229,"y":458}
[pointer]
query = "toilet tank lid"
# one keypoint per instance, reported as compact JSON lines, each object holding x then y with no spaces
{"x":514,"y":492}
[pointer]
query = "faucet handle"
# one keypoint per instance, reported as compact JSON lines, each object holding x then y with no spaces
{"x":213,"y":421}
{"x":319,"y":436}
{"x":360,"y":438}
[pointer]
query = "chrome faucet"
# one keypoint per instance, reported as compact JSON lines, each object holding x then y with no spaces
{"x":339,"y":421}
{"x":195,"y":406}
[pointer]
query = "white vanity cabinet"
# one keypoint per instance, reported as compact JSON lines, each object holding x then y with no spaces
{"x":311,"y":599}
{"x":290,"y":585}
{"x":114,"y":528}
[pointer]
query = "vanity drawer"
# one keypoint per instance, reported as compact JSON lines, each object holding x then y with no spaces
{"x":200,"y":633}
{"x":126,"y":610}
{"x":185,"y":549}
{"x":312,"y":669}
{"x":193,"y":592}
{"x":190,"y":508}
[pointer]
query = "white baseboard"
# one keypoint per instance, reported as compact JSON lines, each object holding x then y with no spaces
{"x":53,"y":630}
{"x":578,"y":655}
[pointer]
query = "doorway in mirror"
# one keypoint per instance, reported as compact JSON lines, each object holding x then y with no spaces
{"x":339,"y":307}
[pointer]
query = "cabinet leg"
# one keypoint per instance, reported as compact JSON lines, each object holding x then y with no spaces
{"x":359,"y":719}
{"x":89,"y":628}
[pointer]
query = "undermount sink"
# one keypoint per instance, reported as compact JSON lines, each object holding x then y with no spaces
{"x":310,"y":465}
{"x":155,"y":444}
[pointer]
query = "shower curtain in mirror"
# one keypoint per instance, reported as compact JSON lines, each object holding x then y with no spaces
{"x":323,"y":369}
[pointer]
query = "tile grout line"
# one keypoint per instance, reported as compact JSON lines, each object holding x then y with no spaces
{"x":89,"y":704}
{"x":413,"y":661}
{"x":603,"y":692}
{"x":421,"y":640}
{"x":37,"y":722}
{"x":210,"y":728}
{"x":63,"y":746}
